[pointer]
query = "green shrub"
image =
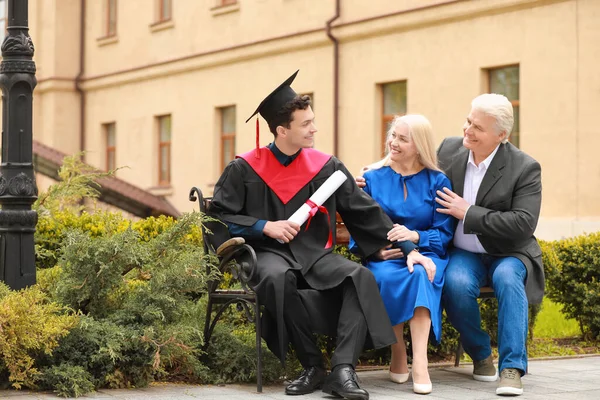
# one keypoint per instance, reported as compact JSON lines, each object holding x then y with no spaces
{"x":77,"y":182}
{"x":67,"y":380}
{"x":52,"y":228}
{"x":143,"y":281}
{"x":573,"y":280}
{"x":140,"y":293}
{"x":93,"y":269}
{"x":30,"y":327}
{"x":231,"y":356}
{"x":449,"y":341}
{"x":343,"y":250}
{"x":151,"y":227}
{"x":59,"y":208}
{"x":114,"y":355}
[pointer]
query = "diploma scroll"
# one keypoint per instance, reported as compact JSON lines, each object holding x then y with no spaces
{"x":318,"y":198}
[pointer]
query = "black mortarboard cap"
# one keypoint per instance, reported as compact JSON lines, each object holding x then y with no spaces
{"x":276,"y":99}
{"x":271,"y":104}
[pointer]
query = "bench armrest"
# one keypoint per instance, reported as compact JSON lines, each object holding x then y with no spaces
{"x":239,"y":259}
{"x":229,"y":245}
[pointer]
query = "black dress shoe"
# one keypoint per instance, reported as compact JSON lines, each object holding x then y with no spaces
{"x":342,"y":382}
{"x":310,"y":379}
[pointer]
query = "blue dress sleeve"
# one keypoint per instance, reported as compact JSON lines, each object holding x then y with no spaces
{"x":439,"y":235}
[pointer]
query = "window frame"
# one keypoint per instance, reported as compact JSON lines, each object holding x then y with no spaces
{"x":226,"y":137}
{"x":515,"y":103}
{"x":164,"y":144}
{"x":107,"y":25}
{"x":161,"y":8}
{"x":386,"y":119}
{"x":110,"y":149}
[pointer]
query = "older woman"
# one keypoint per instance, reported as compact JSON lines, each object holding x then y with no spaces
{"x":404,"y":184}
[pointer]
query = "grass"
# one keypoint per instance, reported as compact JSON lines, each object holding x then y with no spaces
{"x":556,"y":335}
{"x":551,"y":323}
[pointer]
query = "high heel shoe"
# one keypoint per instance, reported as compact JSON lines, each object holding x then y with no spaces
{"x":399,"y":378}
{"x":422,"y":388}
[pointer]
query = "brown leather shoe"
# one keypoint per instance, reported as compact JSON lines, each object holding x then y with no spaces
{"x":310,"y":379}
{"x":343,"y":382}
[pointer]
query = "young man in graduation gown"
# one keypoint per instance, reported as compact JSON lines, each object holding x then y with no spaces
{"x":255,"y":196}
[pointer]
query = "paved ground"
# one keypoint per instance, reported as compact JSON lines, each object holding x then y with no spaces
{"x":573,"y":378}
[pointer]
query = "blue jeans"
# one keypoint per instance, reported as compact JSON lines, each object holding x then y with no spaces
{"x":465,"y":274}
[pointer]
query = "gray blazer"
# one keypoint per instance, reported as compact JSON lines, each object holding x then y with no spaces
{"x":507,"y":207}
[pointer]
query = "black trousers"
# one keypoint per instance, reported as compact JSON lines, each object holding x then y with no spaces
{"x":351,"y":329}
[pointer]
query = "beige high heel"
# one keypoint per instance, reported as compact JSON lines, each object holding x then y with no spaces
{"x":422,"y":388}
{"x":399,"y":378}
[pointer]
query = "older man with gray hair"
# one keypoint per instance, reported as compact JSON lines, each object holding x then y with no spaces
{"x":497,"y":199}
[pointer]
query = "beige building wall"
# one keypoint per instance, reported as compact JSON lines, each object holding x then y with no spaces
{"x":207,"y":57}
{"x":54,"y":29}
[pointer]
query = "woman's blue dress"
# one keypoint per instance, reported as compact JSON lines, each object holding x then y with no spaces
{"x":400,"y":290}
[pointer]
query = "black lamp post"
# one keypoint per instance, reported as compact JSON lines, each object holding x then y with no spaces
{"x":18,"y":190}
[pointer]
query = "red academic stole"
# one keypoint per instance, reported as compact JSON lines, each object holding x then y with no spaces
{"x":286,"y":182}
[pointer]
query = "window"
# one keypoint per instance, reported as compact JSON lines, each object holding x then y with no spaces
{"x":3,"y":18}
{"x":394,"y":103}
{"x":111,"y":150}
{"x":505,"y":81}
{"x":111,"y":18}
{"x":227,"y":135}
{"x":164,"y":10}
{"x":164,"y":150}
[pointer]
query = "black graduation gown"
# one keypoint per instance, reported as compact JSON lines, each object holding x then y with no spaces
{"x":243,"y":198}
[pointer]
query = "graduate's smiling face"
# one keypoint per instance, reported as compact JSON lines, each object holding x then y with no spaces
{"x":301,"y":133}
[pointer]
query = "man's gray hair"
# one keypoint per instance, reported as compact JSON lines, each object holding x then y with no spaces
{"x":499,"y":107}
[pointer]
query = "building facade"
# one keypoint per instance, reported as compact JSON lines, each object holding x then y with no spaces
{"x":164,"y":87}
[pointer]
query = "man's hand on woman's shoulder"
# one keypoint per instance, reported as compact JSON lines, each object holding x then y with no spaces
{"x":359,"y":179}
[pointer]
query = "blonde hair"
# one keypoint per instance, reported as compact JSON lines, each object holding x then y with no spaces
{"x":497,"y":106}
{"x":420,"y":132}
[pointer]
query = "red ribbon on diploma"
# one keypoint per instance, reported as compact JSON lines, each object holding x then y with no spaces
{"x":313,"y":210}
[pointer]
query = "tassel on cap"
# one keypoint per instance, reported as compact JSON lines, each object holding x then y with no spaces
{"x":257,"y":153}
